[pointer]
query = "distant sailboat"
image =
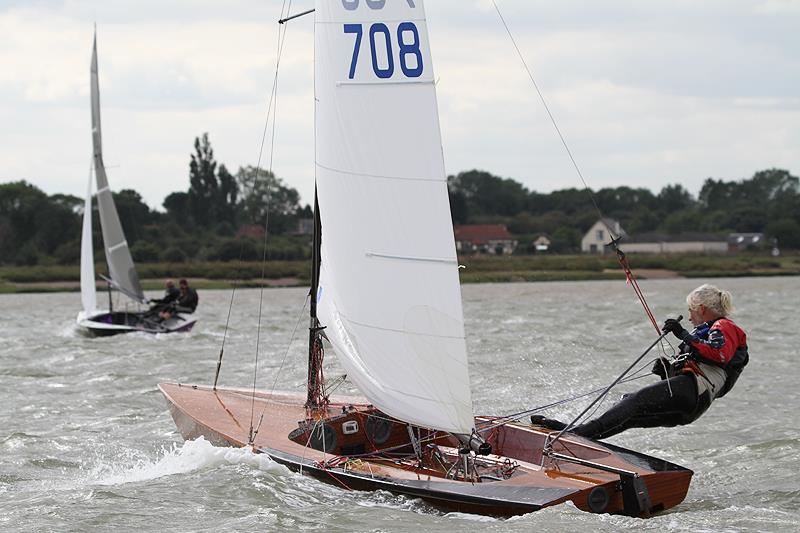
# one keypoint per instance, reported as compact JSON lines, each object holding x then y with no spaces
{"x":385,"y":293}
{"x":122,"y":272}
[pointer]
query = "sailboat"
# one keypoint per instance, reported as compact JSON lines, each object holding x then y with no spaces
{"x":122,"y":272}
{"x":385,"y":295}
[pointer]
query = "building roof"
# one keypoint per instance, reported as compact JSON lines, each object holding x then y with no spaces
{"x":745,"y":239}
{"x":692,"y":236}
{"x":610,"y":224}
{"x":482,"y":233}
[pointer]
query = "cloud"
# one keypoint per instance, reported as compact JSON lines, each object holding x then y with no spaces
{"x":645,"y":93}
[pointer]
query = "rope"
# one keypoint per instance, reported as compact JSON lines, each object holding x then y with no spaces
{"x":631,"y":280}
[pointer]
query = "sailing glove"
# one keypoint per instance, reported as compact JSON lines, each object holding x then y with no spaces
{"x":673,"y":326}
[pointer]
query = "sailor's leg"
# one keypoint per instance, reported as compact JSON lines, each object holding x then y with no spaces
{"x":659,"y":404}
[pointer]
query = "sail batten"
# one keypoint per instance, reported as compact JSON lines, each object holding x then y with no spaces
{"x":389,"y":294}
{"x":381,"y":177}
{"x":118,"y":256}
{"x":443,"y":260}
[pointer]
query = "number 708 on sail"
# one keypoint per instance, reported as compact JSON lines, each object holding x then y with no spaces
{"x":382,"y":49}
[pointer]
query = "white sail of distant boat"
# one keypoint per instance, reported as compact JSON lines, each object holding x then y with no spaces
{"x":118,"y":256}
{"x":122,"y":272}
{"x":88,"y":290}
{"x":389,"y":289}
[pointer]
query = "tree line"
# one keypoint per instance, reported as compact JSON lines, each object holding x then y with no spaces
{"x":768,"y":203}
{"x":221,"y":216}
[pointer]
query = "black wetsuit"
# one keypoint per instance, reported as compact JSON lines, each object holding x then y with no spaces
{"x":676,"y":400}
{"x":171,"y":295}
{"x":652,"y":406}
{"x":187,"y":303}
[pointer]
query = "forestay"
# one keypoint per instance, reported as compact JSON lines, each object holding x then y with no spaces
{"x":118,"y":256}
{"x":389,"y":293}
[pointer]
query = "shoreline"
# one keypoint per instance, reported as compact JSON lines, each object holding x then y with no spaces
{"x":473,"y":269}
{"x":200,"y":283}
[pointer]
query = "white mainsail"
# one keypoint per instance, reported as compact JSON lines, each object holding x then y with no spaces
{"x":120,"y":263}
{"x":389,"y":293}
{"x":88,"y":290}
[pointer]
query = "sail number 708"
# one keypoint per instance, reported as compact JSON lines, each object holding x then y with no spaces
{"x":407,"y":42}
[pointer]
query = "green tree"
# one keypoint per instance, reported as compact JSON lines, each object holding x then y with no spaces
{"x":176,"y":205}
{"x":486,"y":194}
{"x":674,"y":198}
{"x":33,"y":225}
{"x":212,"y":193}
{"x":134,"y":214}
{"x":787,"y":231}
{"x":266,"y":200}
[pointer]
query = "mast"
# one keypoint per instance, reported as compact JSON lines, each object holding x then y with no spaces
{"x":315,"y":399}
{"x":97,"y":151}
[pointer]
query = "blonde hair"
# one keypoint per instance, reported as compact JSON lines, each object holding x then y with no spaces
{"x":719,"y":301}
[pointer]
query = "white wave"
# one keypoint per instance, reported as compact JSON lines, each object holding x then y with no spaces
{"x":190,"y":456}
{"x":471,"y":517}
{"x":71,"y":331}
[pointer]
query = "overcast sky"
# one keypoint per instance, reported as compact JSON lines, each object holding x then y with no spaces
{"x":645,"y":92}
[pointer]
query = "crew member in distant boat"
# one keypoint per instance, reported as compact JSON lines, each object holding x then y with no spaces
{"x":711,"y":359}
{"x":185,"y":303}
{"x":171,"y":294}
{"x":188,"y":300}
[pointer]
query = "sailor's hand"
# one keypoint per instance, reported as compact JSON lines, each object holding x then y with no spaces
{"x":673,"y":325}
{"x":661,"y":367}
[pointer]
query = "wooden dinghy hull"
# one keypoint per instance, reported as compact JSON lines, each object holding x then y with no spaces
{"x":596,"y":477}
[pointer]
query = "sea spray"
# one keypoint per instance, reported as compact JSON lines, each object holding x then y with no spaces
{"x":190,"y":456}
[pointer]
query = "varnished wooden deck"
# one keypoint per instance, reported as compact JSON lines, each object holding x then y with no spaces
{"x":224,"y":417}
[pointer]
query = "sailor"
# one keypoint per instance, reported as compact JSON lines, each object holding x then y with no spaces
{"x":171,"y":294}
{"x":186,"y":302}
{"x":712,"y":357}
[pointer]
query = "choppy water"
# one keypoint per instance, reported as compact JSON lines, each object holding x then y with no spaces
{"x":86,"y":441}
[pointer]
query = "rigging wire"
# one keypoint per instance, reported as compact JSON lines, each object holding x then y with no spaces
{"x":237,"y":281}
{"x":283,"y":362}
{"x":273,"y":109}
{"x":501,"y":421}
{"x":549,"y":113}
{"x":606,"y":391}
{"x":615,"y":238}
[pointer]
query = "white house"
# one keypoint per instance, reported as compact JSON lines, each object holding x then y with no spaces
{"x":596,"y":240}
